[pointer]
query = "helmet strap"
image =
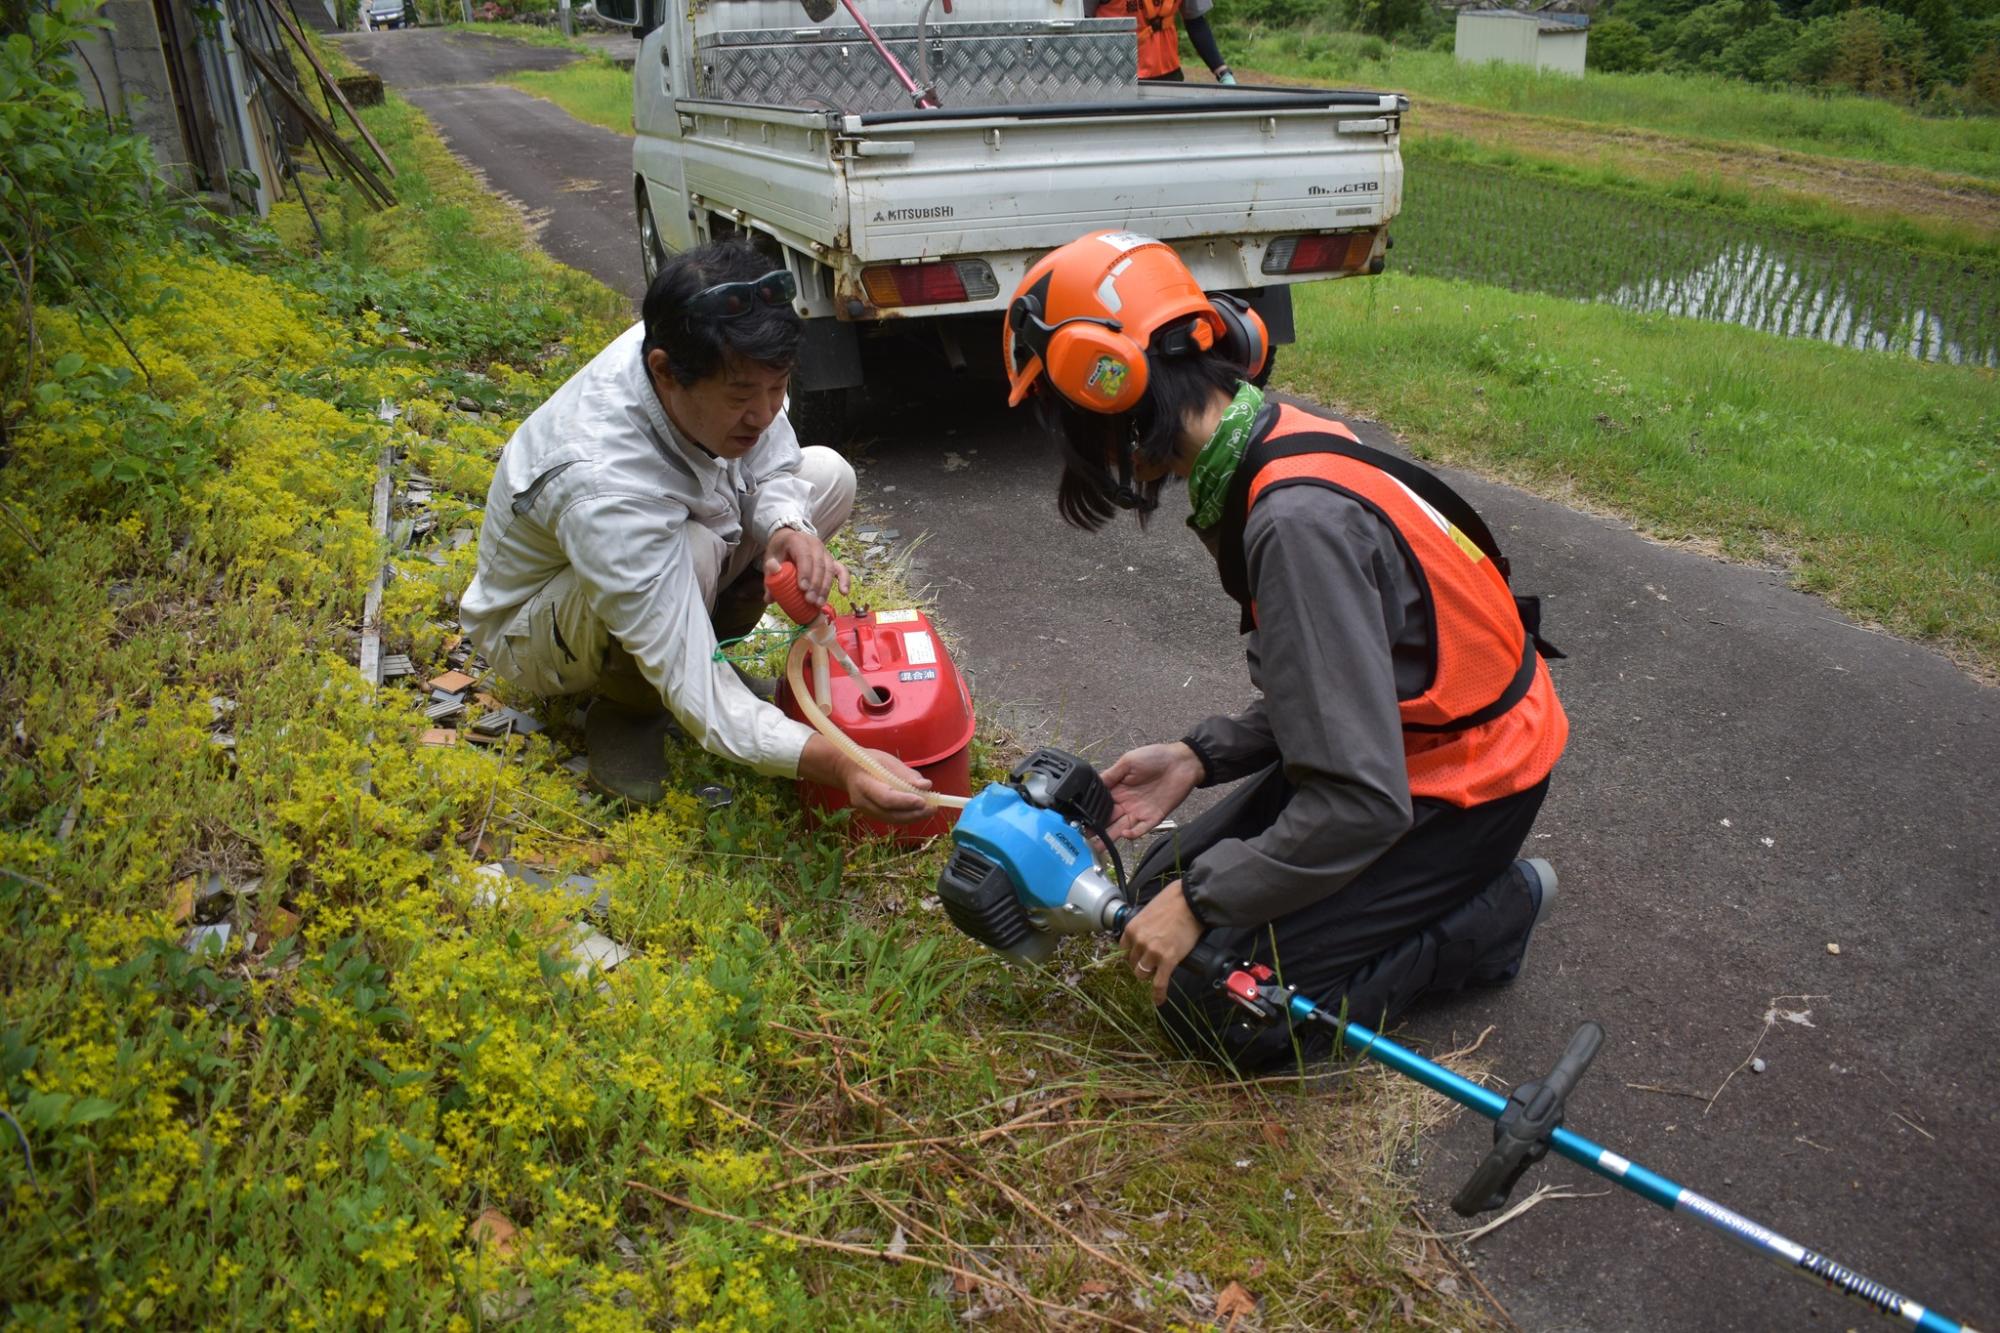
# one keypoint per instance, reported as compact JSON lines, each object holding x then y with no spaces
{"x":1142,"y":497}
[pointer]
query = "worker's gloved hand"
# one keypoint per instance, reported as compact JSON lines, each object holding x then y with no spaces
{"x":1148,"y":784}
{"x":875,"y":798}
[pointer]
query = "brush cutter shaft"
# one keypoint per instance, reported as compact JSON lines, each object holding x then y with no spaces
{"x":1023,"y":871}
{"x":1788,"y":1253}
{"x":1646,"y":1184}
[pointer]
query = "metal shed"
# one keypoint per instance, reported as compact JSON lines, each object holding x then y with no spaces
{"x":181,"y":71}
{"x":1542,"y":39}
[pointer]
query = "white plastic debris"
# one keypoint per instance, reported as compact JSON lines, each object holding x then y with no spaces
{"x":593,"y":950}
{"x":208,"y":939}
{"x":500,"y":876}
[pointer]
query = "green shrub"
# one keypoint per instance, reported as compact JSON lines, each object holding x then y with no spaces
{"x":76,"y":190}
{"x":1617,"y":46}
{"x":1865,"y":50}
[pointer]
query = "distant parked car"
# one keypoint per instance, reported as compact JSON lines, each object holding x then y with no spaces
{"x":390,"y":14}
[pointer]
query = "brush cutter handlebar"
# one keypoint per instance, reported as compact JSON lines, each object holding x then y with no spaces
{"x":1521,"y":1134}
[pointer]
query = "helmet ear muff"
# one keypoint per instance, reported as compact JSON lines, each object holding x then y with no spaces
{"x":1096,"y":367}
{"x":1245,"y":341}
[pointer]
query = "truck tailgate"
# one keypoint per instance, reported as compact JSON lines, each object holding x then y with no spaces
{"x":1240,"y":164}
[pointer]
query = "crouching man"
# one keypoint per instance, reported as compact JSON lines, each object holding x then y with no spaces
{"x":633,"y":518}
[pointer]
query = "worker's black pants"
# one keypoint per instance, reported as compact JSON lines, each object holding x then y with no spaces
{"x":1442,"y":909}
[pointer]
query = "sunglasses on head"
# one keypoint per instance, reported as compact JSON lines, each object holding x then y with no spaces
{"x":727,"y":300}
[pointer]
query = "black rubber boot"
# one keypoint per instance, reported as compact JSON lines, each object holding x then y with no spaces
{"x":626,"y":749}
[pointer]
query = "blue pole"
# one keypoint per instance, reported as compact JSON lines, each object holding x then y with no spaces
{"x":1646,"y":1184}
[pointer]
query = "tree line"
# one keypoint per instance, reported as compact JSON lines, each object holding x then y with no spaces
{"x":1942,"y":56}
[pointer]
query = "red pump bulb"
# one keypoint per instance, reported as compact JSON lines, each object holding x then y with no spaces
{"x":783,"y":588}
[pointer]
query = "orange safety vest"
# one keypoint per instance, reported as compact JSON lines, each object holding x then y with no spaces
{"x":1488,"y":723}
{"x":1159,"y":35}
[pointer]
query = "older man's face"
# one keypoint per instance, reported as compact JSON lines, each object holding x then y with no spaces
{"x":727,"y":412}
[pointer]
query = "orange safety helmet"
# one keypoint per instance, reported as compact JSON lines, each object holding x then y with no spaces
{"x":1087,"y":314}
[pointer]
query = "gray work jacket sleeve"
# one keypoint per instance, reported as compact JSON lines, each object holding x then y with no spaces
{"x":1235,"y":747}
{"x":1329,"y":581}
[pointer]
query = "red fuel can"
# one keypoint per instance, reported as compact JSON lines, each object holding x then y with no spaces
{"x":925,"y":719}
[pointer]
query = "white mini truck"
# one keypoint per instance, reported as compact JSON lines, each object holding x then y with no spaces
{"x":754,"y":119}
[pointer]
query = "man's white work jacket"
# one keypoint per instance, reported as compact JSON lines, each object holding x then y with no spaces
{"x":600,"y":481}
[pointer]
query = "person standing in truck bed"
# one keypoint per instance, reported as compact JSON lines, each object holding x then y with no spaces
{"x":1160,"y":39}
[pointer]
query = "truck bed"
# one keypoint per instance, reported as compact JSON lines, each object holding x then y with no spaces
{"x":1176,"y":162}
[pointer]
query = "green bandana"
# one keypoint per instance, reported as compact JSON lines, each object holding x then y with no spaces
{"x":1208,"y":484}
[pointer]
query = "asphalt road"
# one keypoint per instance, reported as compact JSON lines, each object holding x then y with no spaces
{"x":573,"y":180}
{"x":1752,"y":779}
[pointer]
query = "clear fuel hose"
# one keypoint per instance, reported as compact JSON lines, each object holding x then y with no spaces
{"x":784,"y":589}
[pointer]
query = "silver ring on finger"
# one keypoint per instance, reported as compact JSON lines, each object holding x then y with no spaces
{"x":1143,"y":970}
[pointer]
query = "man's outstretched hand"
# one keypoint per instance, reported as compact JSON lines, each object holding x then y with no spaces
{"x":1147,"y":785}
{"x":818,"y":570}
{"x":878,"y":800}
{"x":820,"y":762}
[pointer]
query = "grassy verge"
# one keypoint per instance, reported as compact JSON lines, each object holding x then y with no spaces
{"x":1700,"y":106}
{"x":389,"y":1097}
{"x":530,"y":33}
{"x":1874,"y":479}
{"x":595,"y":91}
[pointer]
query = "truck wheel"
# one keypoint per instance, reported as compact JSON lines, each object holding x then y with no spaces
{"x":821,"y":416}
{"x":651,"y":253}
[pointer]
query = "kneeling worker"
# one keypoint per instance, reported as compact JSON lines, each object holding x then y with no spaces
{"x":1405,"y":727}
{"x":633,"y":518}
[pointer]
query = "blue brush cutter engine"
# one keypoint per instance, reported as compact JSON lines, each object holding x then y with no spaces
{"x":1024,"y":872}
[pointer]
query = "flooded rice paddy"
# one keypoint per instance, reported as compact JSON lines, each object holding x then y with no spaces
{"x":1511,"y":229}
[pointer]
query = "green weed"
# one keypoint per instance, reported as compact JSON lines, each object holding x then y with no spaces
{"x":533,"y":34}
{"x":595,"y":91}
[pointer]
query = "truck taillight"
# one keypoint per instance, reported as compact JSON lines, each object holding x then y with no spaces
{"x":941,"y":283}
{"x":1342,"y":251}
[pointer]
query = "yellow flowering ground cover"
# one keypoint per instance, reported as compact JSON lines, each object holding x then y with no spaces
{"x":390,"y":1098}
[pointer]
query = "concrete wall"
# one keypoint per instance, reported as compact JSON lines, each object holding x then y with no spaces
{"x":124,"y":72}
{"x":1562,"y":52}
{"x":219,"y":133}
{"x":1482,"y":38}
